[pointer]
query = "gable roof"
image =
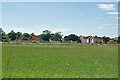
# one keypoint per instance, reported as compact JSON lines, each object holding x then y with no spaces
{"x":95,"y":37}
{"x":24,"y":38}
{"x":35,"y":38}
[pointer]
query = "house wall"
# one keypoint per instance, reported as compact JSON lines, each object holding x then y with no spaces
{"x":94,"y":41}
{"x":88,"y":41}
{"x":84,"y":41}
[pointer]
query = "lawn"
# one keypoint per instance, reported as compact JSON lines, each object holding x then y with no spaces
{"x":59,"y":61}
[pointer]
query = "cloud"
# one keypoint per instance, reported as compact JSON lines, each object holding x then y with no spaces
{"x":112,"y":12}
{"x":100,"y":27}
{"x":43,"y":25}
{"x":98,"y":17}
{"x":108,"y":24}
{"x":115,"y":27}
{"x":19,"y":29}
{"x":106,"y":6}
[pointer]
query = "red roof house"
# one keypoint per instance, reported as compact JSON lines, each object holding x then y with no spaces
{"x":36,"y":38}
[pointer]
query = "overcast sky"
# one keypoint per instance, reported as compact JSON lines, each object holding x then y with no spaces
{"x":81,"y":18}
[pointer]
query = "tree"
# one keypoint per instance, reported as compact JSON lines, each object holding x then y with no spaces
{"x":4,"y":35}
{"x":26,"y":35}
{"x":72,"y":37}
{"x":56,"y":37}
{"x":32,"y":34}
{"x":88,"y":36}
{"x":46,"y":32}
{"x":105,"y":39}
{"x":12,"y":35}
{"x":1,"y":31}
{"x":46,"y":35}
{"x":18,"y":34}
{"x":118,"y":39}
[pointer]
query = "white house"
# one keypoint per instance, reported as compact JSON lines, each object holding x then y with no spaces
{"x":83,"y":40}
{"x":95,"y":40}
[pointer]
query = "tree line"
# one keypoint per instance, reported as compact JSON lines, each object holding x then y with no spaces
{"x":46,"y":35}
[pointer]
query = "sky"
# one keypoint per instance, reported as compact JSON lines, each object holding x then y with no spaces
{"x":80,"y":18}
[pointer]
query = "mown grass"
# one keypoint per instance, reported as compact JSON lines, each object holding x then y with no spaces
{"x":59,"y":61}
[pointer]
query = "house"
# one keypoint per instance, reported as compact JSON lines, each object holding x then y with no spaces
{"x":35,"y":39}
{"x":82,"y":40}
{"x":89,"y":40}
{"x":94,"y":40}
{"x":116,"y":38}
{"x":24,"y":39}
{"x":112,"y":41}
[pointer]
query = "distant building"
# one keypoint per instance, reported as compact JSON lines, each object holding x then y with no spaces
{"x":96,"y":40}
{"x":112,"y":41}
{"x":82,"y":40}
{"x":35,"y":39}
{"x":24,"y":39}
{"x":116,"y":38}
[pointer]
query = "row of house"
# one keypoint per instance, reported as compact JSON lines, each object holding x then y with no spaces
{"x":91,"y":40}
{"x":82,"y":40}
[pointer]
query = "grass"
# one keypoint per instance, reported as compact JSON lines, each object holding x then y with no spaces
{"x":59,"y":61}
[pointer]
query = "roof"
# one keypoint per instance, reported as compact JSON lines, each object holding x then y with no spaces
{"x":24,"y":38}
{"x":35,"y":38}
{"x":82,"y":37}
{"x":95,"y":37}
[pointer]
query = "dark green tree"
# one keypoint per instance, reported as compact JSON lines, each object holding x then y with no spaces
{"x":105,"y":39}
{"x":4,"y":35}
{"x":46,"y":35}
{"x":12,"y":35}
{"x":32,"y":34}
{"x":1,"y":31}
{"x":72,"y":37}
{"x":26,"y":35}
{"x":18,"y":34}
{"x":46,"y":32}
{"x":118,"y":39}
{"x":56,"y":37}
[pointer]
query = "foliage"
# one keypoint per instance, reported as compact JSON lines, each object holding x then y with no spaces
{"x":56,"y":37}
{"x":32,"y":34}
{"x":72,"y":37}
{"x":46,"y":32}
{"x":18,"y":34}
{"x":46,"y":35}
{"x":105,"y":39}
{"x":26,"y":35}
{"x":1,"y":31}
{"x":118,"y":39}
{"x":12,"y":35}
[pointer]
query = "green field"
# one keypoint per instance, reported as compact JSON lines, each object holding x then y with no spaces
{"x":59,"y":61}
